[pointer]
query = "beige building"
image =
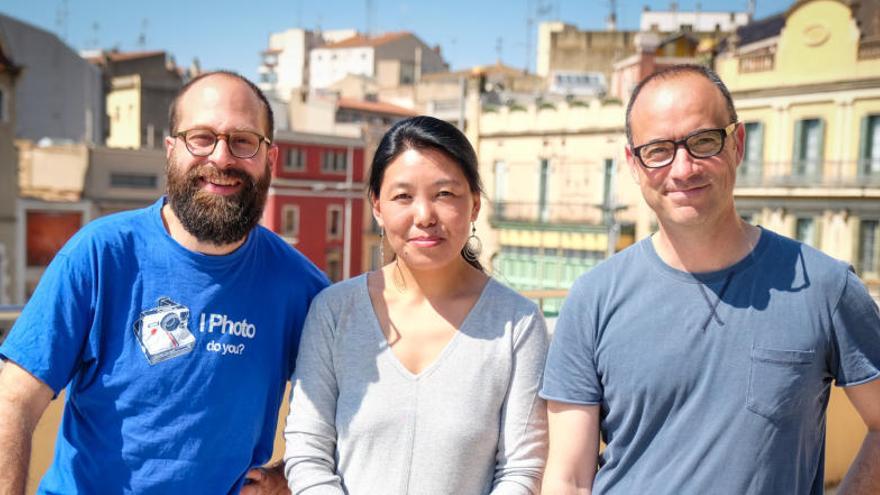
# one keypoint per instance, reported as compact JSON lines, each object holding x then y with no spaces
{"x":807,"y":87}
{"x":9,"y":73}
{"x":139,"y":89}
{"x":560,"y":196}
{"x":63,"y":187}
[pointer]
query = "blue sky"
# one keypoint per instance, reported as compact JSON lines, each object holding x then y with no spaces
{"x":231,"y":35}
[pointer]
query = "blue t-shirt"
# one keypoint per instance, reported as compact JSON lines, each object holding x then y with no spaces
{"x":175,"y":362}
{"x":715,"y":382}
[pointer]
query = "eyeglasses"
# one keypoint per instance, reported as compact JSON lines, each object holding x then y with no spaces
{"x":242,"y":144}
{"x":704,"y":143}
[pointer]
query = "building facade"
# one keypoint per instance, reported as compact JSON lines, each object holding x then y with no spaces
{"x":9,"y":74}
{"x":63,"y":187}
{"x":807,"y":88}
{"x":59,"y":95}
{"x":316,"y":200}
{"x":393,"y":59}
{"x":560,"y":196}
{"x":140,"y":87}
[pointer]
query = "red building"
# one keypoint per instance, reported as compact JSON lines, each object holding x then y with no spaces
{"x":317,"y":199}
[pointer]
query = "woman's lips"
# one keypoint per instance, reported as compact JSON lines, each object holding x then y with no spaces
{"x":425,"y":241}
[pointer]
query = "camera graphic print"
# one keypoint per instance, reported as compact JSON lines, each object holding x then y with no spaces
{"x":163,"y":332}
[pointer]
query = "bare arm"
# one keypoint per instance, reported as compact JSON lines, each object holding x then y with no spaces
{"x":863,"y":477}
{"x":23,"y":399}
{"x":574,"y":449}
{"x":267,"y":480}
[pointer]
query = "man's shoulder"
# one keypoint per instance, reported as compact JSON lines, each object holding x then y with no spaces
{"x":109,"y":230}
{"x":814,"y":261}
{"x":628,"y":263}
{"x":286,"y":260}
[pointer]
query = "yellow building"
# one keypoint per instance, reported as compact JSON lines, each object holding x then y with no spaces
{"x":555,"y":177}
{"x":807,"y":86}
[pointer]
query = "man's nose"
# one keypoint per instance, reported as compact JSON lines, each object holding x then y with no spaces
{"x":222,"y":156}
{"x":682,"y":165}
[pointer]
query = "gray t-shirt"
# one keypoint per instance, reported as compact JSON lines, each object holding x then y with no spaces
{"x":715,"y":382}
{"x":471,"y":423}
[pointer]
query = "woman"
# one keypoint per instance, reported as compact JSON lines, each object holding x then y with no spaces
{"x":421,"y":377}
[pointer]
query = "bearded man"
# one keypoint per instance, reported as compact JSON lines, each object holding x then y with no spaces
{"x":174,"y":328}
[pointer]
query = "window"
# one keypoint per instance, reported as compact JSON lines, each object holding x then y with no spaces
{"x":543,"y":212}
{"x":134,"y":181}
{"x":809,"y":144}
{"x":295,"y":160}
{"x":607,"y":207}
{"x":753,"y":154}
{"x":290,"y":222}
{"x":501,"y":177}
{"x":334,"y":162}
{"x":334,"y":222}
{"x":805,"y":231}
{"x":334,"y":265}
{"x":869,"y":147}
{"x":869,"y":249}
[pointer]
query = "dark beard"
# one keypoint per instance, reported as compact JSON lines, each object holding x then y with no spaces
{"x":212,"y":218}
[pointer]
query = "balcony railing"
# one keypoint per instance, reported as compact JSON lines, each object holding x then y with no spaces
{"x":548,"y":213}
{"x":869,"y":49}
{"x":828,"y":173}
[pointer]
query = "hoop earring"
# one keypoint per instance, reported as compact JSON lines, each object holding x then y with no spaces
{"x":473,"y":247}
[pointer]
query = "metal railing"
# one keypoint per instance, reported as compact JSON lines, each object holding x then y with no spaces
{"x":555,"y":213}
{"x":819,"y":173}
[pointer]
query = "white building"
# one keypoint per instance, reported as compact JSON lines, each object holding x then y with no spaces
{"x":672,"y":21}
{"x":285,"y":63}
{"x":392,"y":59}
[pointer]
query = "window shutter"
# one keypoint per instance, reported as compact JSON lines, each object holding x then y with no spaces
{"x":863,"y":166}
{"x":820,"y":164}
{"x":797,"y":159}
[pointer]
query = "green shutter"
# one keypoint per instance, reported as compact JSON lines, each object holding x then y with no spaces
{"x":797,"y":160}
{"x":821,"y":163}
{"x":864,"y":162}
{"x":759,"y":159}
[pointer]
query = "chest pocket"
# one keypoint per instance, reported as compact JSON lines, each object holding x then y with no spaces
{"x":777,"y":381}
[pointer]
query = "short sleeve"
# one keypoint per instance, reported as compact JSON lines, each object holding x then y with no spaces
{"x":856,"y":333}
{"x":570,"y":374}
{"x":49,"y":336}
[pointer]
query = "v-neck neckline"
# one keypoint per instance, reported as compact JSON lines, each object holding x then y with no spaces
{"x":441,"y":356}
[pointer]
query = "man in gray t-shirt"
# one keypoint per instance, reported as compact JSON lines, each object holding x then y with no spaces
{"x":705,"y":354}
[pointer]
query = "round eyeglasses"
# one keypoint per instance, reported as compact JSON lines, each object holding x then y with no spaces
{"x":242,"y":144}
{"x":704,"y":143}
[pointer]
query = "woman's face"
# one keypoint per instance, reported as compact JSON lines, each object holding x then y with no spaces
{"x":426,"y":207}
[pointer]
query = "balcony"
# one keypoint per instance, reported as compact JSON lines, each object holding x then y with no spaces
{"x":562,"y":216}
{"x":801,"y":174}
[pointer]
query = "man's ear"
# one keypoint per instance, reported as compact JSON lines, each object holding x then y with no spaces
{"x":633,"y":163}
{"x":739,"y":140}
{"x":169,"y":146}
{"x":272,"y":156}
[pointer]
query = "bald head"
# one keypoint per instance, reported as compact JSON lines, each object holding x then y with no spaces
{"x":676,"y":72}
{"x":261,"y":101}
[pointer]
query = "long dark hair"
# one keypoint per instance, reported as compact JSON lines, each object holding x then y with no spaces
{"x":422,"y":133}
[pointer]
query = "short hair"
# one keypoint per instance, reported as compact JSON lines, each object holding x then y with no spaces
{"x":172,"y":110}
{"x":670,"y":73}
{"x":421,"y":133}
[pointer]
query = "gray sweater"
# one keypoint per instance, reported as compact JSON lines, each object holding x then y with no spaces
{"x":470,"y":423}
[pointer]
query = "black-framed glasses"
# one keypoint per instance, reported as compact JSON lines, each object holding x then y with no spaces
{"x":242,"y":144}
{"x":704,"y":143}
